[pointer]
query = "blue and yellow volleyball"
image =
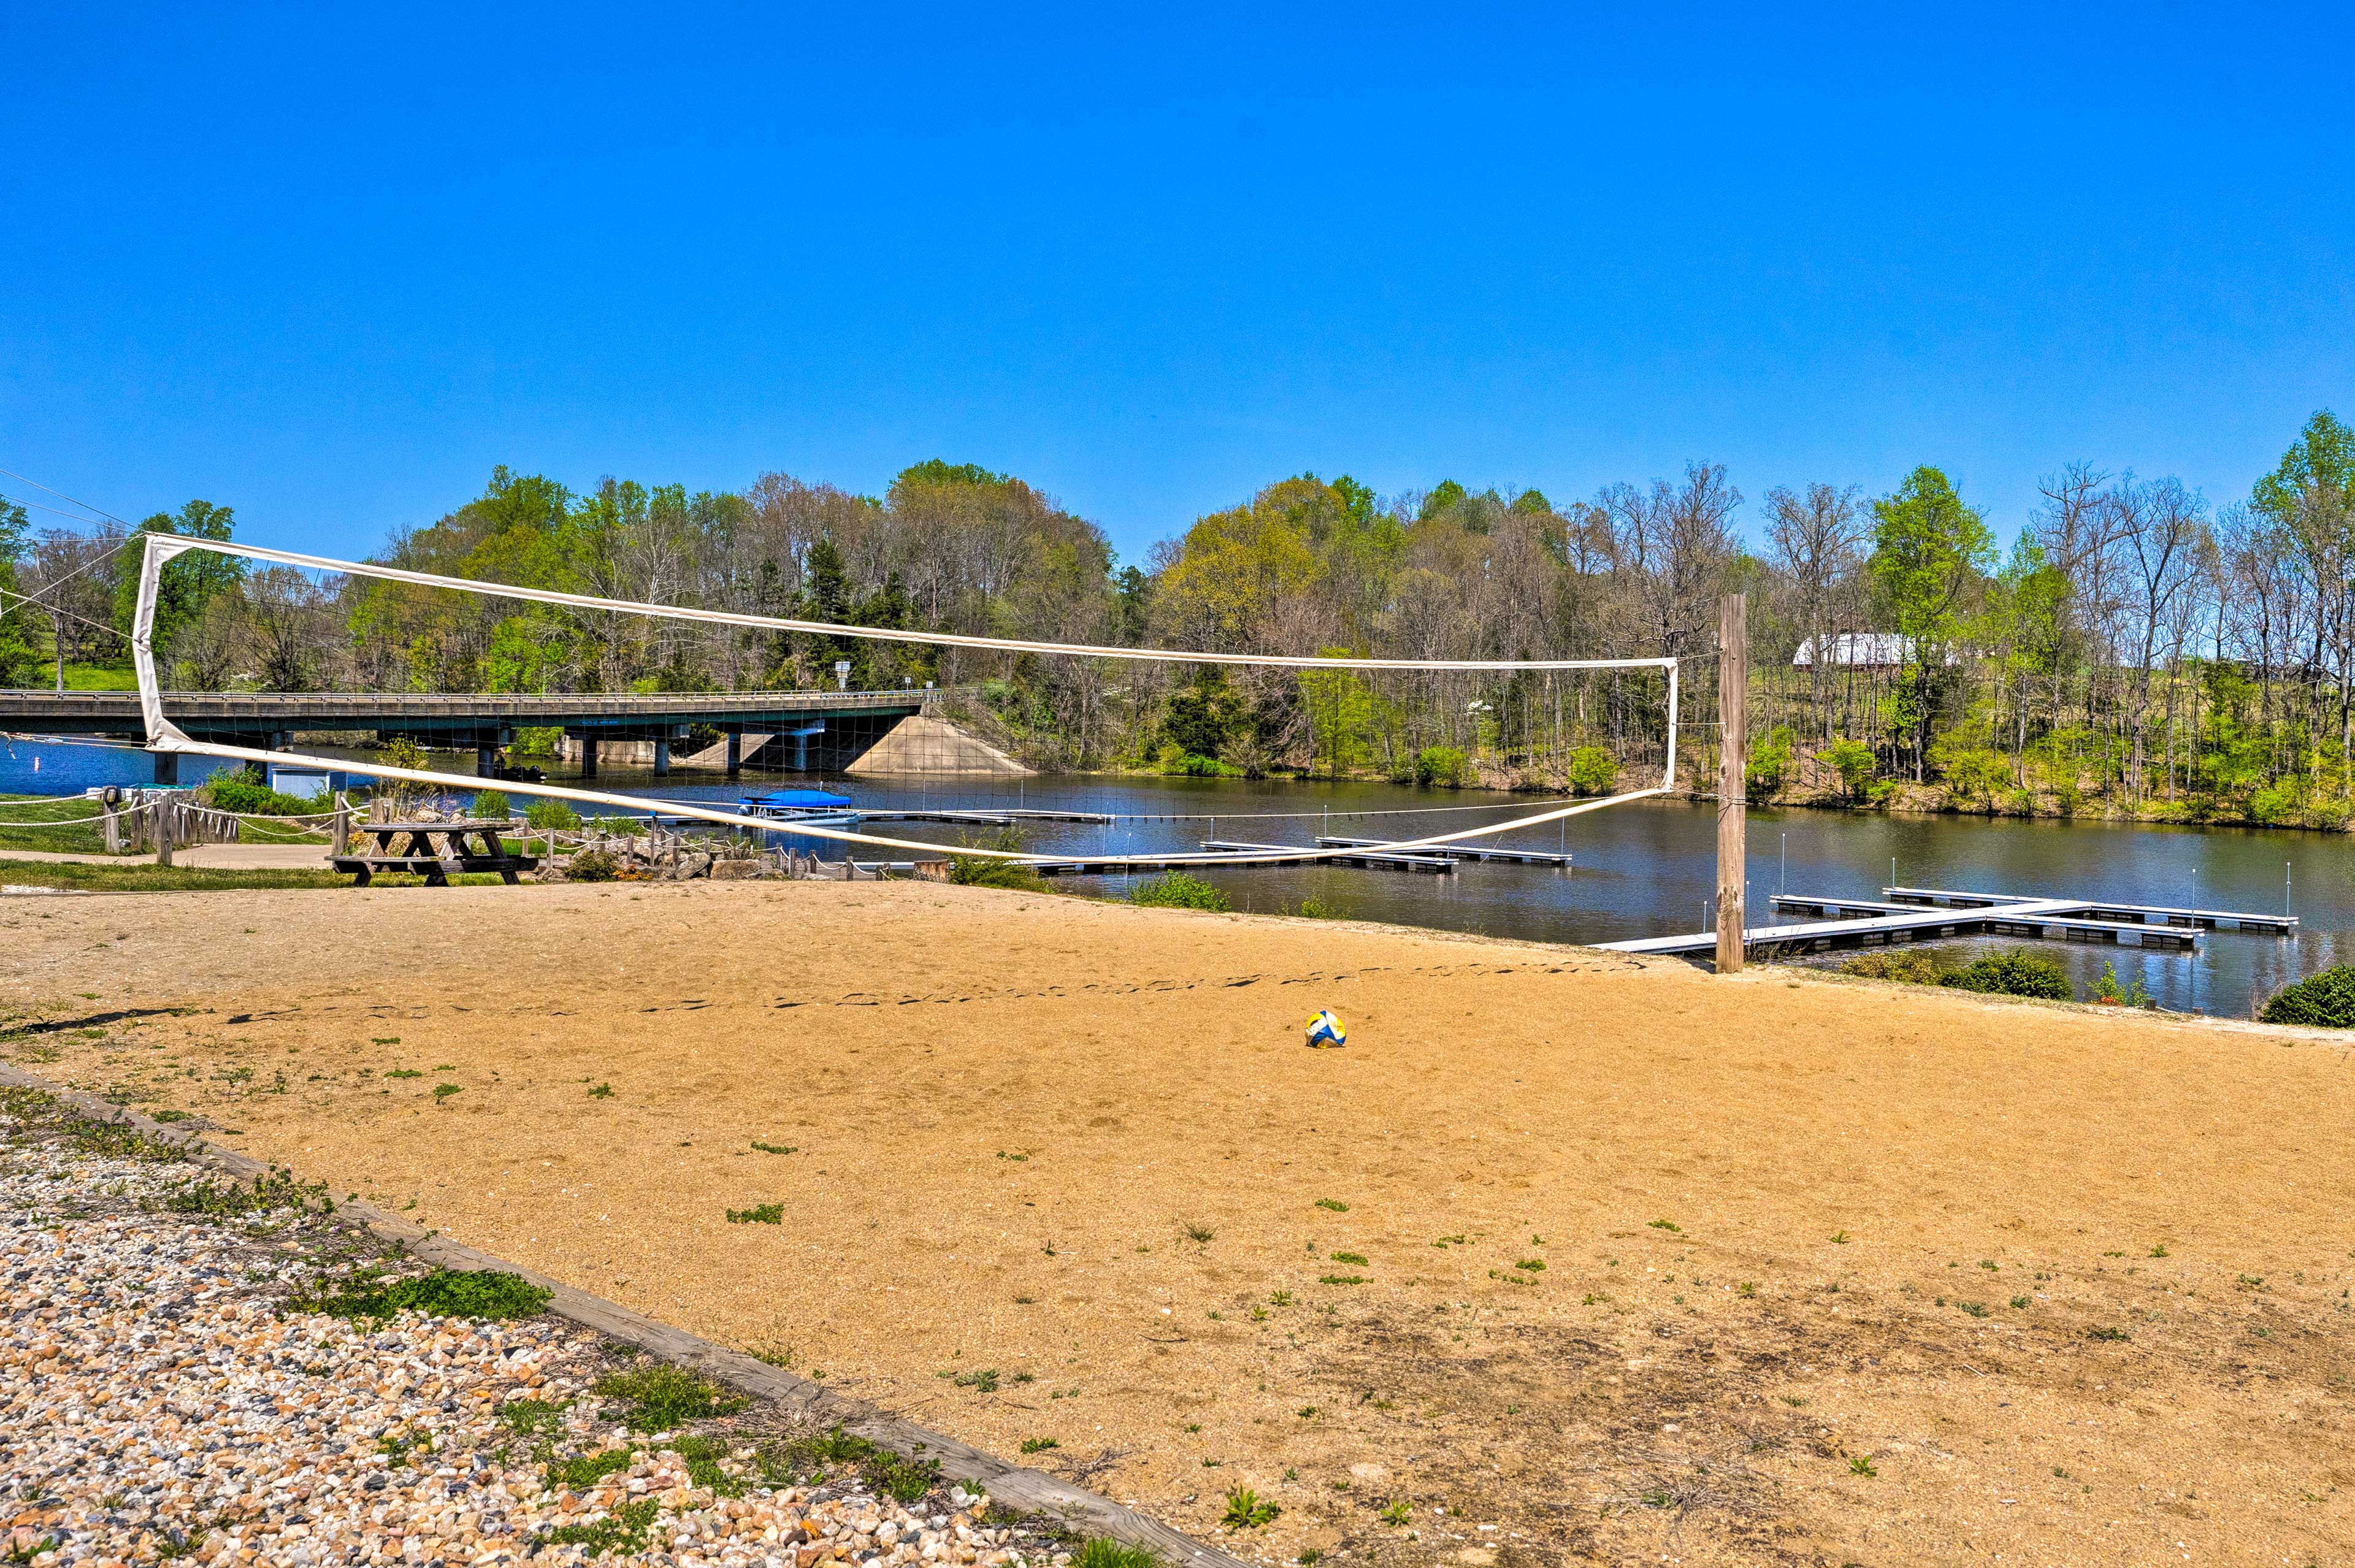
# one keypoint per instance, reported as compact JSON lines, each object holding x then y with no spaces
{"x":1324,"y":1029}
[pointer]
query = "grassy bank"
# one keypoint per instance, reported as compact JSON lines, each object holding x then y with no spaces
{"x":21,"y":814}
{"x":143,"y":875}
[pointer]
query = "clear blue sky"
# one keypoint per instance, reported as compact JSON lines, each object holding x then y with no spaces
{"x":328,"y":265}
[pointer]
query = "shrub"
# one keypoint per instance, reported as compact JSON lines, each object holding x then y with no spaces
{"x":1906,"y":965}
{"x":2326,"y":1000}
{"x":2018,"y":973}
{"x":1592,"y":771}
{"x":1441,"y":767}
{"x":1176,"y":890}
{"x":593,"y":866}
{"x":981,"y":871}
{"x":490,"y":802}
{"x":1195,"y":766}
{"x":547,"y":813}
{"x":242,"y":791}
{"x":536,"y":741}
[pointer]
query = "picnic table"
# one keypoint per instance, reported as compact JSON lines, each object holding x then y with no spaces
{"x":435,"y":849}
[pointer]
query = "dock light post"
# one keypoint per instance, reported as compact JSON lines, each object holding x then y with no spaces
{"x":842,"y":675}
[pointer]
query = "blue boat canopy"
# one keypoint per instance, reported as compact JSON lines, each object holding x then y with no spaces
{"x":798,"y":800}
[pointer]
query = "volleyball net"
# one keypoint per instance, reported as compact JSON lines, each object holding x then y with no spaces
{"x":1400,"y":715}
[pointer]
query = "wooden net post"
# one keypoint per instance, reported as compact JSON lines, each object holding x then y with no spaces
{"x":1732,"y":778}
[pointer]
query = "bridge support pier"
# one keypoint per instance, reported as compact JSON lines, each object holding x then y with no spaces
{"x":587,"y":756}
{"x":735,"y":753}
{"x":662,"y":757}
{"x":486,"y":761}
{"x":167,"y":769}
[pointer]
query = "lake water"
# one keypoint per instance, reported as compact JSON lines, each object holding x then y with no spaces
{"x":1643,"y":869}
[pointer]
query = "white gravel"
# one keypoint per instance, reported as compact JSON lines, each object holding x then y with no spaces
{"x":157,"y":1402}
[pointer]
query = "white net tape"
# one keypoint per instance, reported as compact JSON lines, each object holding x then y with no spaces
{"x":163,"y":736}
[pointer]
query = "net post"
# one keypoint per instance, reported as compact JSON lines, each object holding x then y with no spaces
{"x":1732,"y":777}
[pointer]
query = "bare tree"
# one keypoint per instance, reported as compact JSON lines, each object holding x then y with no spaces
{"x":1817,"y":542}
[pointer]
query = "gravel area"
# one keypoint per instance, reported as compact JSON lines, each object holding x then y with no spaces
{"x":194,"y":1368}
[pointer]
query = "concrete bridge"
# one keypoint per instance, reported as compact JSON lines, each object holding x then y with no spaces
{"x":826,"y":730}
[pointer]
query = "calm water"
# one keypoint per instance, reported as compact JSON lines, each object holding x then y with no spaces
{"x":1645,"y":869}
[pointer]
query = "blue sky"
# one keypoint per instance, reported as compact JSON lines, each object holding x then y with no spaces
{"x":330,"y":266}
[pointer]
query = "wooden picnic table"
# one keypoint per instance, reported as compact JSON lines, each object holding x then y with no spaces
{"x":435,"y":849}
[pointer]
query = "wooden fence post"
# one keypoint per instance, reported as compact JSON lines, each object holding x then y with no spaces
{"x":1732,"y":778}
{"x":114,"y":831}
{"x":164,"y":831}
{"x":343,"y":823}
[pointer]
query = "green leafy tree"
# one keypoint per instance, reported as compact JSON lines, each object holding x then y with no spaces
{"x":1203,"y":715}
{"x":1852,"y":759}
{"x":18,"y":658}
{"x":189,"y":582}
{"x":1769,"y":763}
{"x":1444,"y":497}
{"x":2323,"y":457}
{"x":1340,"y":710}
{"x":1929,"y":553}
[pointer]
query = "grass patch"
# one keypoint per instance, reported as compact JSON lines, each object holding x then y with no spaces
{"x":146,"y":877}
{"x":985,"y":1381}
{"x":531,"y":1417}
{"x":1335,"y":1204}
{"x":1246,"y":1509}
{"x":1038,"y":1444}
{"x":758,"y":1214}
{"x":622,"y":1531}
{"x":226,"y":1200}
{"x":1105,"y":1552}
{"x":1357,"y":1258}
{"x":1341,"y":1279}
{"x":487,"y":1295}
{"x":405,"y":1072}
{"x":1176,"y":890}
{"x":443,"y":1091}
{"x":663,"y":1398}
{"x":776,"y":1148}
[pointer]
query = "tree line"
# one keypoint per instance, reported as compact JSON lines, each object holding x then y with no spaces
{"x":2130,"y":648}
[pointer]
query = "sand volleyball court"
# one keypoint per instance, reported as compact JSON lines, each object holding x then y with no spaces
{"x":1567,"y":1257}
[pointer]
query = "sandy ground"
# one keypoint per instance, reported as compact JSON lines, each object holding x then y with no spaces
{"x":1655,"y":1267}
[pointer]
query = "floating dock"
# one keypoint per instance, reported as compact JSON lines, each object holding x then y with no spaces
{"x":1456,"y":852}
{"x":1387,"y":861}
{"x":1233,"y":855}
{"x":2102,"y":909}
{"x":1900,"y":916}
{"x":1007,"y":816}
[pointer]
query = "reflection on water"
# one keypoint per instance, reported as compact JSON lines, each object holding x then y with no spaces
{"x":1643,"y":869}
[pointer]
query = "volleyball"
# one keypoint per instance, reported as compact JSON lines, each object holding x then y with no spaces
{"x":1324,"y":1029}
